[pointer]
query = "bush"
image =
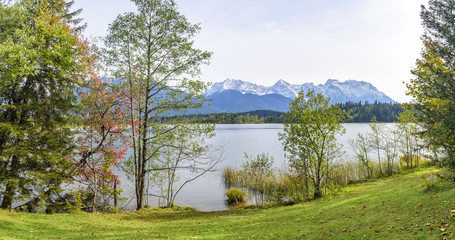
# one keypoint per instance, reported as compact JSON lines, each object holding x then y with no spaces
{"x":235,"y":195}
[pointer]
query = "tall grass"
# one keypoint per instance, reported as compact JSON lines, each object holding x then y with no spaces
{"x":229,"y":176}
{"x":353,"y":171}
{"x":279,"y":187}
{"x":285,"y":186}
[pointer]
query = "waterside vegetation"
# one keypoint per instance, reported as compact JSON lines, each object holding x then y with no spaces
{"x":394,"y":208}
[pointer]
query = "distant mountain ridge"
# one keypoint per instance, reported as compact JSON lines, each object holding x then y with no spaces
{"x":339,"y":92}
{"x":240,"y":96}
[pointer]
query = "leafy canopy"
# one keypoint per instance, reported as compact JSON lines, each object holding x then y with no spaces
{"x":433,"y":85}
{"x":309,"y":136}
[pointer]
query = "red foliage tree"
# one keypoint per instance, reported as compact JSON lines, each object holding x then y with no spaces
{"x":101,"y":142}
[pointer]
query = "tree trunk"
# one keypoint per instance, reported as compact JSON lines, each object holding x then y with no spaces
{"x":143,"y":156}
{"x":115,"y":193}
{"x":8,"y":195}
{"x":317,"y":191}
{"x":95,"y":188}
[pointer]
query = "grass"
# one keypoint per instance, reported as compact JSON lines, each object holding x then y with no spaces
{"x":394,"y":208}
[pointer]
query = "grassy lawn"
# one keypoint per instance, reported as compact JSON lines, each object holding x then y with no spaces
{"x":394,"y":208}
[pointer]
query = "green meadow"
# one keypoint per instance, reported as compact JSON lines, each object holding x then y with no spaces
{"x":399,"y":207}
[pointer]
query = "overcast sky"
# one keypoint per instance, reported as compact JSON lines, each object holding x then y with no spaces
{"x":262,"y":41}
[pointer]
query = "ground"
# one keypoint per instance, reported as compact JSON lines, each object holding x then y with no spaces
{"x":399,"y":207}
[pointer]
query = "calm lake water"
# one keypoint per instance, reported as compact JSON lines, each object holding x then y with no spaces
{"x":207,"y":192}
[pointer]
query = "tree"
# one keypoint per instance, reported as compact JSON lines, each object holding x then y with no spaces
{"x":185,"y":158}
{"x":407,"y":132}
{"x":390,"y":147}
{"x":309,"y":136}
{"x":101,"y":142}
{"x":41,"y":60}
{"x":433,"y":86}
{"x":255,"y":171}
{"x":71,"y":17}
{"x":361,"y":148}
{"x":152,"y":52}
{"x":375,"y":140}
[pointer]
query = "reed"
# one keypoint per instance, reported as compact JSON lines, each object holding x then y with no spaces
{"x":284,"y":186}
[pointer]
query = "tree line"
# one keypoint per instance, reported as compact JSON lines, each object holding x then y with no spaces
{"x":358,"y":113}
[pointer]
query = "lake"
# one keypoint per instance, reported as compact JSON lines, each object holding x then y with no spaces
{"x":207,"y":192}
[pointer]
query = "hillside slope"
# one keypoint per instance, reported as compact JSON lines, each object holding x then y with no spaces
{"x":395,"y":208}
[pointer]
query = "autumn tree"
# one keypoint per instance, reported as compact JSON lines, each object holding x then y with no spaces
{"x":433,"y":85}
{"x":41,"y":60}
{"x":309,"y":137}
{"x":151,"y":51}
{"x":101,"y":142}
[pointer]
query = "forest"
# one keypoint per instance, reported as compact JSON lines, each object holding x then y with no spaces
{"x":358,"y":113}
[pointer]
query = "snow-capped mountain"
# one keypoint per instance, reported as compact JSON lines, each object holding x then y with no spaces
{"x":236,"y":85}
{"x":339,"y":92}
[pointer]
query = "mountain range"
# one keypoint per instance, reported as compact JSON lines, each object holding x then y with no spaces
{"x":242,"y":96}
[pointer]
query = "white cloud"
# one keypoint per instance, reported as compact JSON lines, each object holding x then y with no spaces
{"x":297,"y":40}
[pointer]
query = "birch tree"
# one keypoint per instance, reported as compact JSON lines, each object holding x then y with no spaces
{"x":151,"y":51}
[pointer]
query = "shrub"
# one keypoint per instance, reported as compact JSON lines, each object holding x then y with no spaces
{"x":235,"y":195}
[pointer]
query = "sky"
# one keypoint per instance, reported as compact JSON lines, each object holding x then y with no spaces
{"x":299,"y":41}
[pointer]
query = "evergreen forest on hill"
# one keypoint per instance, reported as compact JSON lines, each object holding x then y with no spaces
{"x":359,"y":113}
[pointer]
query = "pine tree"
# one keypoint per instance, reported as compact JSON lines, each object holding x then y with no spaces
{"x":433,"y":86}
{"x":42,"y":59}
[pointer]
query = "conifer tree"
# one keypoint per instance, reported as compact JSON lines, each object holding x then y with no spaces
{"x":433,"y":86}
{"x":42,"y":59}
